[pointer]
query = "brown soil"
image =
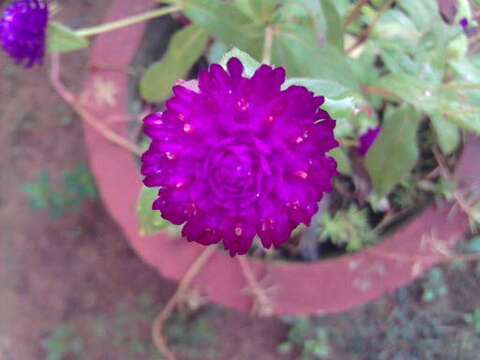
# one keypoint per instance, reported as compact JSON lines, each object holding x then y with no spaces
{"x":78,"y":269}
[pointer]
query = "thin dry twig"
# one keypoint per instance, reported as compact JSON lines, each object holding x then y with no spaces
{"x":157,"y":326}
{"x":354,"y":13}
{"x":460,"y":199}
{"x":263,"y":305}
{"x":84,"y":114}
{"x":368,"y":31}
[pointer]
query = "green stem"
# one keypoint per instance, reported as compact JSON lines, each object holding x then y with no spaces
{"x":467,"y":111}
{"x":94,"y":30}
{"x":458,"y":86}
{"x":267,"y":46}
{"x":380,"y":91}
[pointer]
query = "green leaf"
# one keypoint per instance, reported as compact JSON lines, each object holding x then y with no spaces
{"x":396,"y":27}
{"x":293,"y":13}
{"x":334,"y":25}
{"x":423,"y":13}
{"x":394,"y":153}
{"x":342,"y":108}
{"x":343,"y":164}
{"x":296,"y":48}
{"x":448,"y":134}
{"x":216,"y":52}
{"x":366,"y":60}
{"x":467,"y":69}
{"x":410,"y":89}
{"x":63,"y":39}
{"x":151,"y":221}
{"x":397,"y":60}
{"x":457,"y":48}
{"x":319,"y":87}
{"x":186,"y":46}
{"x":307,"y":11}
{"x":249,"y":63}
{"x":258,"y":10}
{"x":227,"y":23}
{"x":469,"y":122}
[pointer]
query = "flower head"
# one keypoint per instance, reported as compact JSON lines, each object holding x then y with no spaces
{"x":23,"y":31}
{"x":367,"y":140}
{"x":240,"y":157}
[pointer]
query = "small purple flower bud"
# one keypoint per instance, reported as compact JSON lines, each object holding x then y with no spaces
{"x":464,"y":22}
{"x":23,"y":29}
{"x":367,"y":140}
{"x":238,"y":156}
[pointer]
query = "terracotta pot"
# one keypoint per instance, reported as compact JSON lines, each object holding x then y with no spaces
{"x":298,"y":288}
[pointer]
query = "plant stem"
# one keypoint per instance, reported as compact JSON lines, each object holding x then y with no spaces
{"x":458,"y":86}
{"x":467,"y":111}
{"x":267,"y":46}
{"x":355,"y":11}
{"x":349,"y":142}
{"x":80,"y":110}
{"x":262,"y":305}
{"x":94,"y":30}
{"x":380,"y":91}
{"x":157,"y":327}
{"x":366,"y":34}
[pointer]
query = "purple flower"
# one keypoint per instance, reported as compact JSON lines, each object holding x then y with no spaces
{"x":23,"y":31}
{"x":367,"y":140}
{"x":240,"y":157}
{"x":463,"y":22}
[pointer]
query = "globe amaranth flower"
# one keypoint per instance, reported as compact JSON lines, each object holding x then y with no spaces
{"x":367,"y":140}
{"x":23,"y":30}
{"x":240,"y":157}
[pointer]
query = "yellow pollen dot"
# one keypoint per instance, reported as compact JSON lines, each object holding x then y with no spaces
{"x":298,"y":140}
{"x":302,"y":174}
{"x":270,"y":118}
{"x":178,"y":185}
{"x":187,"y":127}
{"x":238,"y":231}
{"x":169,"y":155}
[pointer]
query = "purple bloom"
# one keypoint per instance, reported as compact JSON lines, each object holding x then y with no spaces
{"x":367,"y":140}
{"x":240,"y":157}
{"x":23,"y":31}
{"x":463,"y":22}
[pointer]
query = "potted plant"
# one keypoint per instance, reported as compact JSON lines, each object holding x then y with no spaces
{"x":403,"y":90}
{"x":368,"y":87}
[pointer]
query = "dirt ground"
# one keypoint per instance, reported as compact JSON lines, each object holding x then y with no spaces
{"x":72,"y":289}
{"x":75,"y":268}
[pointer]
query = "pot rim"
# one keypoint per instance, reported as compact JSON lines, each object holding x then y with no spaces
{"x":343,"y":282}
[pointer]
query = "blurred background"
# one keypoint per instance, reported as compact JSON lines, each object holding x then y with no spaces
{"x":71,"y":288}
